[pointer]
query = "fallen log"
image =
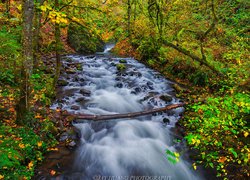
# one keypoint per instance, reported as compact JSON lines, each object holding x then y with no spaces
{"x":83,"y":117}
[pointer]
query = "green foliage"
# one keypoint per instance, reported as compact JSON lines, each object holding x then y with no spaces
{"x":173,"y":157}
{"x":20,"y":150}
{"x":7,"y":77}
{"x":219,"y":130}
{"x":9,"y":42}
{"x":199,"y":78}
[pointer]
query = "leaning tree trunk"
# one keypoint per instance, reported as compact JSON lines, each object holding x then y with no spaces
{"x":27,"y":62}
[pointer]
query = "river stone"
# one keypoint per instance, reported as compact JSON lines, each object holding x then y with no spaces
{"x":81,"y":99}
{"x":64,"y":136}
{"x":166,"y":120}
{"x":166,"y":98}
{"x":133,"y":73}
{"x":112,"y":64}
{"x":70,"y":71}
{"x":71,"y":144}
{"x":62,"y":82}
{"x":119,"y":85}
{"x":85,"y":92}
{"x":123,"y":61}
{"x":75,"y":107}
{"x":79,"y":67}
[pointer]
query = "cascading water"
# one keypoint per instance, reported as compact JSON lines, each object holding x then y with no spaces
{"x":122,"y":148}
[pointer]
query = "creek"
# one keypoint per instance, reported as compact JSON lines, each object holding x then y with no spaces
{"x":121,"y":149}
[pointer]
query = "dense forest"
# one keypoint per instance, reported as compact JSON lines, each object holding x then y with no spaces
{"x":201,"y":45}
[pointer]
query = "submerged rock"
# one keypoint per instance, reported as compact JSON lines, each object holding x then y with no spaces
{"x":123,"y":61}
{"x":166,"y":120}
{"x":62,"y":82}
{"x":85,"y":92}
{"x":166,"y":98}
{"x":75,"y":107}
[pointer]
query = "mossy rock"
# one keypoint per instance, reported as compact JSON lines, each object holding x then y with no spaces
{"x":121,"y":67}
{"x":83,"y":41}
{"x":123,"y":61}
{"x":79,"y":67}
{"x":62,"y":82}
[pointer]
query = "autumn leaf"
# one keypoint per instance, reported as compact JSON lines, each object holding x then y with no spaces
{"x":21,"y":145}
{"x":1,"y":177}
{"x":246,"y":133}
{"x":194,"y":166}
{"x":39,"y":144}
{"x":222,"y":159}
{"x":30,"y":165}
{"x":52,"y":149}
{"x":52,"y":172}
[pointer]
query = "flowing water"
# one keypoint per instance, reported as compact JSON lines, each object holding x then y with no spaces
{"x":123,"y":148}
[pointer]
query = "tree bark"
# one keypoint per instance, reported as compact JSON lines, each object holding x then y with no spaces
{"x":83,"y":117}
{"x":37,"y":25}
{"x":27,"y":62}
{"x":58,"y":48}
{"x":129,"y":19}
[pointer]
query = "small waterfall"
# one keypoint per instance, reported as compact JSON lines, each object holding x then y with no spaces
{"x":108,"y":47}
{"x":125,"y":148}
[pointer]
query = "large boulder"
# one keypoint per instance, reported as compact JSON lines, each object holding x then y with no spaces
{"x":83,"y":41}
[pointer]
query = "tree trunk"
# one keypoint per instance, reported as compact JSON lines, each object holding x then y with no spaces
{"x":37,"y":26}
{"x":83,"y":117}
{"x":58,"y":48}
{"x":7,"y":11}
{"x":27,"y":62}
{"x":129,"y":19}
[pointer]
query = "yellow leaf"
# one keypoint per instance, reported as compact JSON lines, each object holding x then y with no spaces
{"x":30,"y":165}
{"x":39,"y":144}
{"x":52,"y":149}
{"x":1,"y":177}
{"x":38,"y":116}
{"x":21,"y":145}
{"x":246,"y":133}
{"x":194,"y":166}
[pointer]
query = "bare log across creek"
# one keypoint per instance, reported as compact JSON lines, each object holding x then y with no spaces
{"x":79,"y":118}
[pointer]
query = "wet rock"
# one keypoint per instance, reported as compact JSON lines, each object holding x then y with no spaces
{"x":67,"y":92}
{"x":81,"y":99}
{"x":112,"y":64}
{"x":70,"y":71}
{"x":166,"y":98}
{"x":71,"y":144}
{"x":133,"y":73}
{"x":79,"y":67}
{"x":75,"y":107}
{"x":123,"y":61}
{"x":136,"y":90}
{"x":85,"y":92}
{"x":150,"y":95}
{"x":150,"y":85}
{"x":121,"y":67}
{"x":166,"y":120}
{"x":67,"y":59}
{"x":119,"y":85}
{"x":64,"y":136}
{"x":62,"y":82}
